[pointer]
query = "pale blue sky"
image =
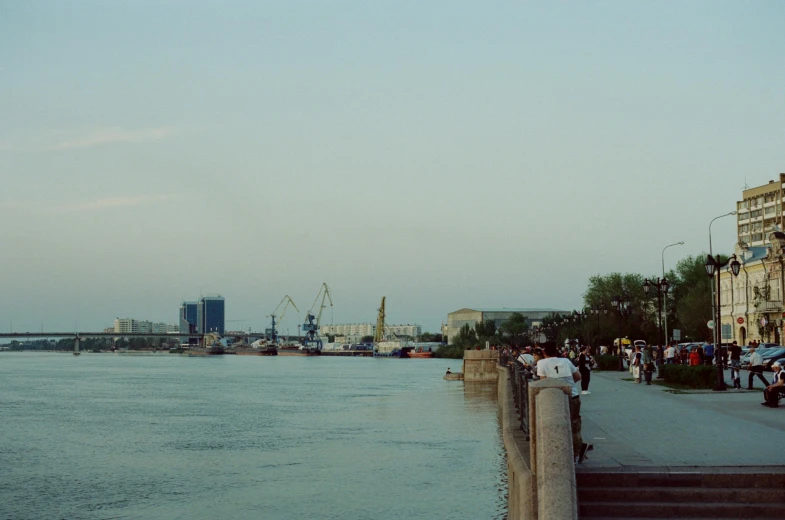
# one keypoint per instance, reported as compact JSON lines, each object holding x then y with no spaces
{"x":442,"y":154}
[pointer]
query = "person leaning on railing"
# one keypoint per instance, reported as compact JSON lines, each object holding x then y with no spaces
{"x":554,"y":367}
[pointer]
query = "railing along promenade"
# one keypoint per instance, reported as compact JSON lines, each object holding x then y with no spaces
{"x":538,"y":440}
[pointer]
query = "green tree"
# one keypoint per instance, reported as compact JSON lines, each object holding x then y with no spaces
{"x":516,"y":328}
{"x":691,"y":292}
{"x":367,"y":339}
{"x":600,"y":293}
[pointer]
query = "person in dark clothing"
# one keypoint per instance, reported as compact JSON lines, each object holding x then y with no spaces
{"x":771,"y":394}
{"x":585,"y":363}
{"x":735,"y":364}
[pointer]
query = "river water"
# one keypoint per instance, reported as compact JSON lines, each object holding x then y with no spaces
{"x":105,"y":436}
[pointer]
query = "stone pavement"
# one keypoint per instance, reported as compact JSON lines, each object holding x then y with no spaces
{"x":635,"y":426}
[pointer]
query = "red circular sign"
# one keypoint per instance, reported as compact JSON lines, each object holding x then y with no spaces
{"x":740,"y":320}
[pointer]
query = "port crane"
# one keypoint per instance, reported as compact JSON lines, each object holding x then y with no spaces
{"x":378,"y":334}
{"x":311,"y":327}
{"x":271,"y":332}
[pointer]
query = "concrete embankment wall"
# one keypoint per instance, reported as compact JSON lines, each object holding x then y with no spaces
{"x":522,"y":500}
{"x":540,"y":472}
{"x":481,"y":366}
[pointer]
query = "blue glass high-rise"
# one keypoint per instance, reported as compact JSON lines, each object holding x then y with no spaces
{"x":210,"y":314}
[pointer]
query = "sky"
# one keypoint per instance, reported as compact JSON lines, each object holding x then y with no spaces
{"x":444,"y":154}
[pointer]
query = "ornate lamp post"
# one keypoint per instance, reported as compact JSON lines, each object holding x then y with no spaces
{"x":622,"y":304}
{"x":713,"y":266}
{"x":661,"y":284}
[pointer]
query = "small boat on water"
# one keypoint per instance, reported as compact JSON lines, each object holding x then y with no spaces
{"x":419,"y":352}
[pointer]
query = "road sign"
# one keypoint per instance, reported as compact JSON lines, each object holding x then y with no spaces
{"x":710,"y":324}
{"x":676,"y":334}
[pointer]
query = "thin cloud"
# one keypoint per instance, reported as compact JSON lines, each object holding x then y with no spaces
{"x":113,"y":135}
{"x":114,"y":202}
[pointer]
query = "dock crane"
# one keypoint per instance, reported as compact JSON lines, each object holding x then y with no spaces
{"x":378,"y":334}
{"x":311,"y":328}
{"x":271,"y":331}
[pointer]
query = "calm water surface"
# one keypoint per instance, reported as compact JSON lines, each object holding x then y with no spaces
{"x":104,"y":436}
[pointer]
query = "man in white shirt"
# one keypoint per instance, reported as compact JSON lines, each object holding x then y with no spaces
{"x":772,"y":393}
{"x":756,"y":368}
{"x":554,"y":367}
{"x":670,"y":354}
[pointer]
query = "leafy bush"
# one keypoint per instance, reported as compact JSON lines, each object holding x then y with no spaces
{"x":607,"y":362}
{"x":701,"y":376}
{"x":451,"y":351}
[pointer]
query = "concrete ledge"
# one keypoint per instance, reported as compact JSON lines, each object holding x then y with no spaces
{"x":481,"y":366}
{"x":455,"y":376}
{"x":557,"y":493}
{"x":522,"y":498}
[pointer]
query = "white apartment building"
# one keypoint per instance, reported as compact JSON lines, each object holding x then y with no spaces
{"x":132,"y":326}
{"x":358,"y":330}
{"x":760,"y":212}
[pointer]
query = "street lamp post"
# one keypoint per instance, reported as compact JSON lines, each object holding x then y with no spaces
{"x":713,"y":266}
{"x":662,"y":292}
{"x":622,"y":305}
{"x":711,"y":253}
{"x":665,"y":301}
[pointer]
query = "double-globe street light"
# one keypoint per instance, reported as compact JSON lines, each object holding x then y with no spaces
{"x":597,"y":311}
{"x":661,"y":284}
{"x":665,"y":300}
{"x":713,"y":266}
{"x":711,"y":253}
{"x":624,"y":306}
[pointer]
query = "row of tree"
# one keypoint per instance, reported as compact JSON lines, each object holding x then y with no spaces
{"x":686,"y":305}
{"x":94,"y":344}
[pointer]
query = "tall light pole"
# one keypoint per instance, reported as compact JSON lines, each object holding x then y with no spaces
{"x":711,"y":253}
{"x":713,"y":267}
{"x":665,"y":306}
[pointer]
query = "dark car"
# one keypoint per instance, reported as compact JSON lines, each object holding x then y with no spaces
{"x":771,"y":355}
{"x":768,"y":355}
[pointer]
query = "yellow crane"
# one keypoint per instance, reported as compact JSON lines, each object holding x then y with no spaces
{"x":311,"y":327}
{"x":271,"y":331}
{"x":378,"y":335}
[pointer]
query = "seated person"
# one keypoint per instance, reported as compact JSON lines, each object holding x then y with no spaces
{"x":772,"y":392}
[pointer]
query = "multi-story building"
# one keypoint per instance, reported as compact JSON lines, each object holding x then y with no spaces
{"x":457,"y":319}
{"x":126,"y":326}
{"x":751,"y":304}
{"x":356,"y":331}
{"x":132,"y":326}
{"x":760,"y":212}
{"x":210,"y":314}
{"x":188,"y":313}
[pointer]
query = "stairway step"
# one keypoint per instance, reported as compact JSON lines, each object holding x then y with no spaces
{"x":688,"y":494}
{"x":774,"y":479}
{"x":678,"y":510}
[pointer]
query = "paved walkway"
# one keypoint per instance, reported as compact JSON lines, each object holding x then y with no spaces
{"x":634,"y":426}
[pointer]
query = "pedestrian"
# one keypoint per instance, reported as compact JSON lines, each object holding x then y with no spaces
{"x":735,"y":365}
{"x":555,"y":367}
{"x":695,"y":358}
{"x":635,"y":364}
{"x":756,"y":368}
{"x":771,"y":395}
{"x":708,"y":354}
{"x":648,"y":364}
{"x":684,"y":355}
{"x":670,"y":354}
{"x":585,"y":363}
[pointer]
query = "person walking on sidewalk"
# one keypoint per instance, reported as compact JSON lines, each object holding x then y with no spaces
{"x":555,"y":367}
{"x":735,"y":364}
{"x":756,"y":368}
{"x":771,"y":395}
{"x":636,"y":364}
{"x":585,"y":363}
{"x":648,"y":364}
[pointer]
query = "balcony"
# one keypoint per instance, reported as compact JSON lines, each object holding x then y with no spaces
{"x":770,"y":306}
